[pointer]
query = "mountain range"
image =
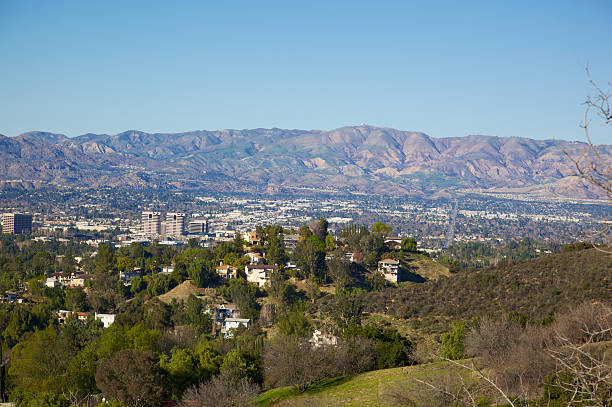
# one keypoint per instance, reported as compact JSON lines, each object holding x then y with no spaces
{"x":359,"y":158}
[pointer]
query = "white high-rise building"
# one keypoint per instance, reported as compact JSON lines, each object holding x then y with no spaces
{"x":151,"y":223}
{"x":174,"y":224}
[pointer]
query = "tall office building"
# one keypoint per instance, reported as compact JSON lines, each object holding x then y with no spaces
{"x":174,"y":224}
{"x":16,"y":223}
{"x":198,"y":227}
{"x":151,"y":223}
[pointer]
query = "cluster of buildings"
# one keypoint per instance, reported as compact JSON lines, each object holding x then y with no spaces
{"x":256,"y":271}
{"x":175,"y":224}
{"x":172,"y":225}
{"x":58,"y":280}
{"x":106,"y":319}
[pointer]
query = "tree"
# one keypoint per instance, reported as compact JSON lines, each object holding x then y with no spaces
{"x":339,"y":270}
{"x":295,"y":323}
{"x":292,"y":361}
{"x":319,"y":228}
{"x":382,"y":229}
{"x":591,"y":165}
{"x":238,"y":364}
{"x":409,"y":244}
{"x":196,"y":315}
{"x":124,"y":264}
{"x":42,"y":263}
{"x":453,"y":343}
{"x":277,"y":288}
{"x":38,"y":362}
{"x":199,"y":272}
{"x":312,"y":288}
{"x":244,"y":295}
{"x":377,"y":281}
{"x":221,"y":391}
{"x":309,"y":255}
{"x":131,"y":377}
{"x":183,"y":370}
{"x":346,"y":309}
{"x":276,"y":251}
{"x":76,"y":299}
{"x":105,"y":259}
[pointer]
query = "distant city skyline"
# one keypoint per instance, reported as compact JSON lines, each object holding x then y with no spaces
{"x":443,"y":68}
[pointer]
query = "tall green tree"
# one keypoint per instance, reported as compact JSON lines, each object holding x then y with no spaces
{"x":105,"y":259}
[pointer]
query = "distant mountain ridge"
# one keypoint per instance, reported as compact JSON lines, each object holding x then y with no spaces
{"x":359,"y":158}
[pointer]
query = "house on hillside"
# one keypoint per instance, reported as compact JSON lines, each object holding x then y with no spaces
{"x":226,"y":271}
{"x":219,"y":312}
{"x":234,"y":323}
{"x":107,"y":319}
{"x":255,"y":258}
{"x":291,"y":242}
{"x":390,"y":268}
{"x":320,"y":338}
{"x":259,"y":273}
{"x":53,"y":282}
{"x":62,"y":315}
{"x":78,"y":280}
{"x":252,"y":237}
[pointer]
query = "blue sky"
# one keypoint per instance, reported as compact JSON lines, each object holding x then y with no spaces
{"x":513,"y":68}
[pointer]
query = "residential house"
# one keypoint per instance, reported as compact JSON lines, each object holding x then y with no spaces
{"x":128,"y":276}
{"x":320,"y":338}
{"x":167,"y":269}
{"x":62,"y":315}
{"x":53,"y":282}
{"x":291,"y":242}
{"x":252,"y":237}
{"x":259,"y":273}
{"x":226,"y":271}
{"x":10,"y":298}
{"x":255,"y":258}
{"x":234,"y":323}
{"x":78,"y":280}
{"x":222,"y":311}
{"x":107,"y":319}
{"x":390,"y":269}
{"x":393,"y":242}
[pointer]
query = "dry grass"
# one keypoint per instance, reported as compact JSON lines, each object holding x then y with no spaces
{"x":182,"y":291}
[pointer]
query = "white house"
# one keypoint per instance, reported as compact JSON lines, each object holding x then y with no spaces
{"x":259,"y":273}
{"x":107,"y":319}
{"x":167,"y":269}
{"x":390,"y":269}
{"x":255,"y":258}
{"x":53,"y":282}
{"x":234,"y":323}
{"x":320,"y":338}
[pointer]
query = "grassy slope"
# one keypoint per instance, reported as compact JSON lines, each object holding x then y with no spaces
{"x":366,"y":389}
{"x":426,"y":267}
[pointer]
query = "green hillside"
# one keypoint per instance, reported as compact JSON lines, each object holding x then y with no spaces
{"x":373,"y":388}
{"x":537,"y":288}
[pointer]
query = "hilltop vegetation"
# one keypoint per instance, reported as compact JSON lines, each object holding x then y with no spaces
{"x":536,"y":288}
{"x":166,"y":323}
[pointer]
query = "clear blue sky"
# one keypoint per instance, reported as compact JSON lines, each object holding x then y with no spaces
{"x":505,"y":68}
